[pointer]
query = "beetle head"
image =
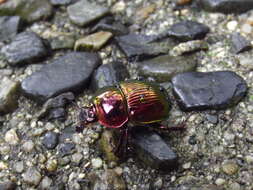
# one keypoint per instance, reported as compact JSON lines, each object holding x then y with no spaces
{"x":86,"y":116}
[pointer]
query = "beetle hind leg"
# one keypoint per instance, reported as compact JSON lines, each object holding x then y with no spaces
{"x":123,"y":142}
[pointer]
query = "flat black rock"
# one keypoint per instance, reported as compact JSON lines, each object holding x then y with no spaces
{"x":153,"y":151}
{"x":66,"y":149}
{"x":10,"y":26}
{"x":68,"y":73}
{"x":26,"y":47}
{"x":239,"y":43}
{"x":210,"y":90}
{"x":109,"y":75}
{"x":164,"y":67}
{"x":54,"y":108}
{"x":50,"y":140}
{"x":226,"y":6}
{"x":139,"y":47}
{"x":111,"y":25}
{"x":188,"y":30}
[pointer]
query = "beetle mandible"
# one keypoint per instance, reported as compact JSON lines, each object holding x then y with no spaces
{"x":130,"y":103}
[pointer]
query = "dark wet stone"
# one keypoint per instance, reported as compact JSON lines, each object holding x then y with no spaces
{"x":8,"y":185}
{"x":70,"y":72}
{"x":67,"y":133}
{"x":164,"y":67}
{"x":109,"y":75}
{"x":226,"y":6}
{"x":139,"y":47}
{"x":212,"y":118}
{"x":60,"y":2}
{"x":10,"y":26}
{"x":192,"y":140}
{"x":83,"y":12}
{"x":28,"y":10}
{"x":66,"y":149}
{"x":239,"y":43}
{"x":153,"y":151}
{"x":109,"y":24}
{"x":61,"y":40}
{"x":188,"y":30}
{"x":9,"y":93}
{"x":50,"y":140}
{"x":54,"y":108}
{"x":105,"y":180}
{"x":210,"y":90}
{"x":26,"y":47}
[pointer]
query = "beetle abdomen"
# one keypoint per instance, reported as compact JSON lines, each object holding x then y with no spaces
{"x":146,"y":102}
{"x":111,"y":107}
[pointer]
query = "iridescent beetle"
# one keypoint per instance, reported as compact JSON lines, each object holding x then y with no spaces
{"x":130,"y":103}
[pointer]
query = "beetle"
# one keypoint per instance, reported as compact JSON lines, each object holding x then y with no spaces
{"x":127,"y":104}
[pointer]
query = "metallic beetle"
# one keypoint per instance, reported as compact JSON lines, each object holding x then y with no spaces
{"x":134,"y":102}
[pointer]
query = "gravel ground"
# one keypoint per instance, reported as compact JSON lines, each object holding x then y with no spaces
{"x":215,"y":151}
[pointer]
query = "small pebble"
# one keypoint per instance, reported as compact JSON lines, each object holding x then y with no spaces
{"x":246,"y":28}
{"x":220,"y":181}
{"x":119,"y":7}
{"x":51,"y":165}
{"x":187,"y":165}
{"x":249,"y":159}
{"x":28,"y":146}
{"x":230,"y":167}
{"x":96,"y":163}
{"x":32,"y":176}
{"x":232,"y":25}
{"x":19,"y":166}
{"x":11,"y":137}
{"x":77,"y":157}
{"x":3,"y":166}
{"x":46,"y":183}
{"x":234,"y":186}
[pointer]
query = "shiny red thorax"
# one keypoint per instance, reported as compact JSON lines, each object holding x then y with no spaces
{"x":137,"y":102}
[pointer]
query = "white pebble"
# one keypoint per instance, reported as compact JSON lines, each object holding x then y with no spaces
{"x":96,"y":163}
{"x":11,"y":137}
{"x":232,"y":25}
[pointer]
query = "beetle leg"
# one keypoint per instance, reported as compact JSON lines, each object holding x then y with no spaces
{"x":121,"y":148}
{"x":179,"y":127}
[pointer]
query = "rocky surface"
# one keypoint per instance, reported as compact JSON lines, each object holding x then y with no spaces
{"x":211,"y":90}
{"x":83,"y":12}
{"x":214,"y":151}
{"x":29,"y":10}
{"x":153,"y":151}
{"x":239,"y":43}
{"x":93,"y":42}
{"x":9,"y":93}
{"x":188,"y":30}
{"x":60,"y":2}
{"x":54,"y":108}
{"x":26,"y":47}
{"x":70,"y":72}
{"x":111,"y":25}
{"x":227,"y":6}
{"x":10,"y":26}
{"x":163,"y":68}
{"x":139,"y":47}
{"x":108,"y":75}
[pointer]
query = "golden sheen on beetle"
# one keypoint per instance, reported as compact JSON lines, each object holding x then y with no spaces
{"x":132,"y":101}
